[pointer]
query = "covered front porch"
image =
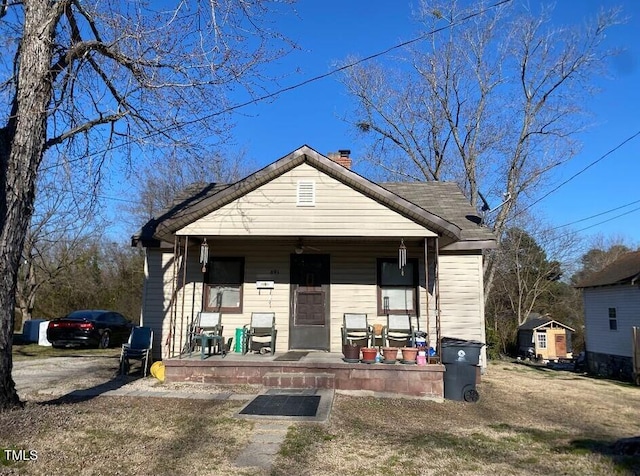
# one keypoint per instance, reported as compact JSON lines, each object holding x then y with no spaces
{"x":313,"y":370}
{"x":308,"y":283}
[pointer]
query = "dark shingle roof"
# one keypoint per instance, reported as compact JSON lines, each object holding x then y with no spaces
{"x":535,"y":321}
{"x":190,"y":196}
{"x":624,"y":270}
{"x":440,"y":205}
{"x":444,"y":199}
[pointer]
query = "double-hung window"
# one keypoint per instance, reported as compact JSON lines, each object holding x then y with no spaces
{"x":397,"y":289}
{"x":224,"y":285}
{"x":542,"y":340}
{"x":613,"y":319}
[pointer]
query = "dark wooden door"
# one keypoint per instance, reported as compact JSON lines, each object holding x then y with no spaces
{"x":309,"y":321}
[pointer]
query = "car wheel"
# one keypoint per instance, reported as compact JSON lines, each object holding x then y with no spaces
{"x":57,"y":346}
{"x":105,"y":340}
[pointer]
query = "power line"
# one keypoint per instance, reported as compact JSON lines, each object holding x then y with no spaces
{"x":608,"y":220}
{"x":295,"y":86}
{"x":584,"y":169}
{"x":598,"y":214}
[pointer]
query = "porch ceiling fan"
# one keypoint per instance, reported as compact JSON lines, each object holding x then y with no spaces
{"x":301,"y":247}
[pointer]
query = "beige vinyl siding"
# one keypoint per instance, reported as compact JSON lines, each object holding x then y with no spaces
{"x":354,"y":283}
{"x":272,"y":210}
{"x":353,"y":286}
{"x":461,"y":297}
{"x":158,"y":272}
{"x":597,"y":301}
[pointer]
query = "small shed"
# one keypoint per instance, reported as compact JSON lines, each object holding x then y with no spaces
{"x":549,"y":339}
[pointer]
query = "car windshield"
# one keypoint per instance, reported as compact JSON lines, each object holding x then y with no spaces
{"x":79,"y":315}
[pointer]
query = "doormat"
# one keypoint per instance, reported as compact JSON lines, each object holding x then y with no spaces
{"x":283,"y":405}
{"x":291,"y":356}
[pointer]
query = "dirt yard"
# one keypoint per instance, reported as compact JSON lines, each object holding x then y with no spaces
{"x":528,"y":421}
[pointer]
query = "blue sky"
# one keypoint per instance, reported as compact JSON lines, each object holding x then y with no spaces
{"x":329,"y":31}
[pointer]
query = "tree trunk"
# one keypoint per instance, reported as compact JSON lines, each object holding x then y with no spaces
{"x":21,"y":149}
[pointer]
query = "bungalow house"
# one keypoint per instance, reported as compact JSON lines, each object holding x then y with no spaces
{"x":309,"y":239}
{"x":549,"y":339}
{"x":612,"y":318}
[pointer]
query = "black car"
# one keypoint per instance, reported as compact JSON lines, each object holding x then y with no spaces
{"x":89,"y":328}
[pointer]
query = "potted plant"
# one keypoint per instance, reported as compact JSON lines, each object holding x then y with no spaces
{"x":390,"y":354}
{"x":351,"y":352}
{"x":409,"y":354}
{"x":369,"y":354}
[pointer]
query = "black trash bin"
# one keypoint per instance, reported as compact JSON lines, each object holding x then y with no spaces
{"x":461,"y":359}
{"x":460,"y":351}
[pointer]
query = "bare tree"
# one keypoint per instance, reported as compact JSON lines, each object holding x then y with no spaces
{"x":66,"y":214}
{"x":530,"y":264}
{"x":492,"y":101}
{"x":91,"y":78}
{"x":158,"y":183}
{"x":602,"y":251}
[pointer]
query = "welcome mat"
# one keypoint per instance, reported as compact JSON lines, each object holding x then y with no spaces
{"x":291,"y":356}
{"x":283,"y":405}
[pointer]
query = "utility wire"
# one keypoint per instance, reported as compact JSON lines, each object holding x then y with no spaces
{"x":598,"y":214}
{"x":608,"y":220}
{"x":295,"y":86}
{"x":584,"y":169}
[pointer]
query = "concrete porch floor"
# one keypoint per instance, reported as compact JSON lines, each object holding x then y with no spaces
{"x":315,"y":370}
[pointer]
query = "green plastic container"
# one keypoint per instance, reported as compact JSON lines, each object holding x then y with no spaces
{"x":239,"y":339}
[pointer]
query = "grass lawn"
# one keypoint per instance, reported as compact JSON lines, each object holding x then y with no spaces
{"x":528,"y":421}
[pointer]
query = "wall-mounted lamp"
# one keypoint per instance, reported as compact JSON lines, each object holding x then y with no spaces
{"x":204,"y":255}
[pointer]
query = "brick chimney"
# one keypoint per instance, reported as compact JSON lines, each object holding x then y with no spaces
{"x":341,"y":157}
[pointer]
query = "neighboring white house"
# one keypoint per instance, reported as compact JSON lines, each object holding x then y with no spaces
{"x":611,"y":311}
{"x":309,"y":239}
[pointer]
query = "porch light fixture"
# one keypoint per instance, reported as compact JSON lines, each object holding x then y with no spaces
{"x":402,"y":256}
{"x":204,"y":255}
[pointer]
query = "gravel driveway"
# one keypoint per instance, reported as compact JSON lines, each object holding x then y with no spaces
{"x":60,"y":375}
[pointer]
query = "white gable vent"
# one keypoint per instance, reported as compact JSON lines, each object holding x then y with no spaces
{"x":306,"y":193}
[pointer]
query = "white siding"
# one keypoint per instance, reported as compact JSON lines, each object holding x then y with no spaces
{"x":271,"y":210}
{"x":353,"y":287}
{"x":597,"y":301}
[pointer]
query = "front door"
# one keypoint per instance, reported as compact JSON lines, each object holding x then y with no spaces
{"x":561,"y":345}
{"x":309,"y":302}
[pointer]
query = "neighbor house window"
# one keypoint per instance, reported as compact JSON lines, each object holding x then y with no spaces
{"x":613,"y":319}
{"x":542,"y":340}
{"x":224,"y":285}
{"x":397,"y":289}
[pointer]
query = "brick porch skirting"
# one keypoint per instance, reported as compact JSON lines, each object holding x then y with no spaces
{"x":397,"y":380}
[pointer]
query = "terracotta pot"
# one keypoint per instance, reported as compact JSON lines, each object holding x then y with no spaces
{"x":351,"y":352}
{"x":409,"y":354}
{"x":390,"y":354}
{"x":369,"y":353}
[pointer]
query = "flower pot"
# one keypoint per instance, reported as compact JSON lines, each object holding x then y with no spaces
{"x":351,"y":352}
{"x":409,"y":354}
{"x":390,"y":354}
{"x":369,"y":354}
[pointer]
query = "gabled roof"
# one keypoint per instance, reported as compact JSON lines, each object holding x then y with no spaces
{"x":535,"y":323}
{"x":625,"y":270}
{"x":439,"y":206}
